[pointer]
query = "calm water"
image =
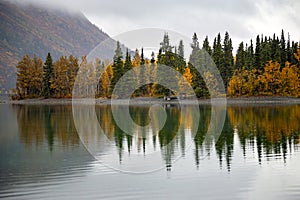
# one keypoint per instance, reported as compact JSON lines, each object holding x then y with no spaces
{"x":42,"y":156}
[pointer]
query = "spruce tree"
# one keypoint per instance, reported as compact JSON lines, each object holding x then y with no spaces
{"x":289,"y":50}
{"x":283,"y":52}
{"x":218,"y":57}
{"x":181,"y":49}
{"x":129,"y":79}
{"x":117,"y":66}
{"x":206,"y":46}
{"x":142,"y":74}
{"x":196,"y":62}
{"x":228,"y":59}
{"x":165,"y":44}
{"x":265,"y":52}
{"x":48,"y":75}
{"x":240,"y":57}
{"x":257,"y":61}
{"x":249,"y":56}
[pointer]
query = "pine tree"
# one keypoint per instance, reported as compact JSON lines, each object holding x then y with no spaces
{"x":142,"y":74}
{"x":294,"y":51}
{"x":117,"y":66}
{"x":257,"y":63}
{"x":218,"y":57}
{"x":152,"y":57}
{"x":128,"y":64}
{"x":276,"y":49}
{"x":283,"y":52}
{"x":228,"y":59}
{"x":265,"y":52}
{"x":181,"y":49}
{"x":128,"y":80}
{"x":249,"y":56}
{"x":165,"y":44}
{"x":240,"y":57}
{"x":289,"y":50}
{"x":196,"y":62}
{"x":195,"y":42}
{"x":206,"y":46}
{"x":218,"y":52}
{"x":47,"y":76}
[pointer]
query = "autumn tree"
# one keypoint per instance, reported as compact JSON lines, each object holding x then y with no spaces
{"x":23,"y":76}
{"x":59,"y":81}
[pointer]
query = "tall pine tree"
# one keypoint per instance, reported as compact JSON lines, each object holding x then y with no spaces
{"x":47,"y":77}
{"x":117,"y":66}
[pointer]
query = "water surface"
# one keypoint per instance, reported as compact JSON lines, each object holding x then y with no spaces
{"x":257,"y":155}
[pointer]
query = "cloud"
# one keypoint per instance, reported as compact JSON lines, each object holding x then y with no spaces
{"x":242,"y":19}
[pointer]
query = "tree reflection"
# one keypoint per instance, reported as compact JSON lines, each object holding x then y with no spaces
{"x":272,"y":130}
{"x":39,"y":123}
{"x":269,"y":131}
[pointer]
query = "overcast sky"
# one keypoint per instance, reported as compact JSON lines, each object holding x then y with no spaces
{"x":243,"y":19}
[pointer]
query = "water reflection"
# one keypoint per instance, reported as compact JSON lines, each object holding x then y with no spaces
{"x":39,"y":145}
{"x":272,"y":131}
{"x":268,"y":131}
{"x":39,"y":124}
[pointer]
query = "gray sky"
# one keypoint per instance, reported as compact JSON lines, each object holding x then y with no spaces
{"x":243,"y":19}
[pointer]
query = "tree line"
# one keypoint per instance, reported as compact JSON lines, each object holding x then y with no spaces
{"x":270,"y":67}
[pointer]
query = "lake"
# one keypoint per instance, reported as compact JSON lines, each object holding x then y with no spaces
{"x":49,"y":152}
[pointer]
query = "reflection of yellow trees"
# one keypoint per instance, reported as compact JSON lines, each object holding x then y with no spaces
{"x":46,"y":123}
{"x":270,"y":126}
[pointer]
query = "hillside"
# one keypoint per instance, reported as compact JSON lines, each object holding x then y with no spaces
{"x":29,"y":29}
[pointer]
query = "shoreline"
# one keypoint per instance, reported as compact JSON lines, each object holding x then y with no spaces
{"x":154,"y":100}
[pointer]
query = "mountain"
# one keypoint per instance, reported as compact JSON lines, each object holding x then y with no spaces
{"x":28,"y":29}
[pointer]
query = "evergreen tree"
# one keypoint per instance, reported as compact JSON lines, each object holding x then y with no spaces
{"x":265,"y":51}
{"x":218,"y":52}
{"x":240,"y":57}
{"x":165,"y":44}
{"x":152,"y":57}
{"x":142,"y":74}
{"x":249,"y":56}
{"x":181,"y":49}
{"x":128,"y":64}
{"x":289,"y":50}
{"x":257,"y":63}
{"x":283,"y":52}
{"x":206,"y":46}
{"x":195,"y":42}
{"x":228,"y":59}
{"x":129,"y":81}
{"x":218,"y":57}
{"x":117,"y":66}
{"x":294,"y":51}
{"x":196,"y":62}
{"x":48,"y":75}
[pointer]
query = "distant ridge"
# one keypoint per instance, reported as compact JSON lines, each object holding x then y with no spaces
{"x":28,"y":29}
